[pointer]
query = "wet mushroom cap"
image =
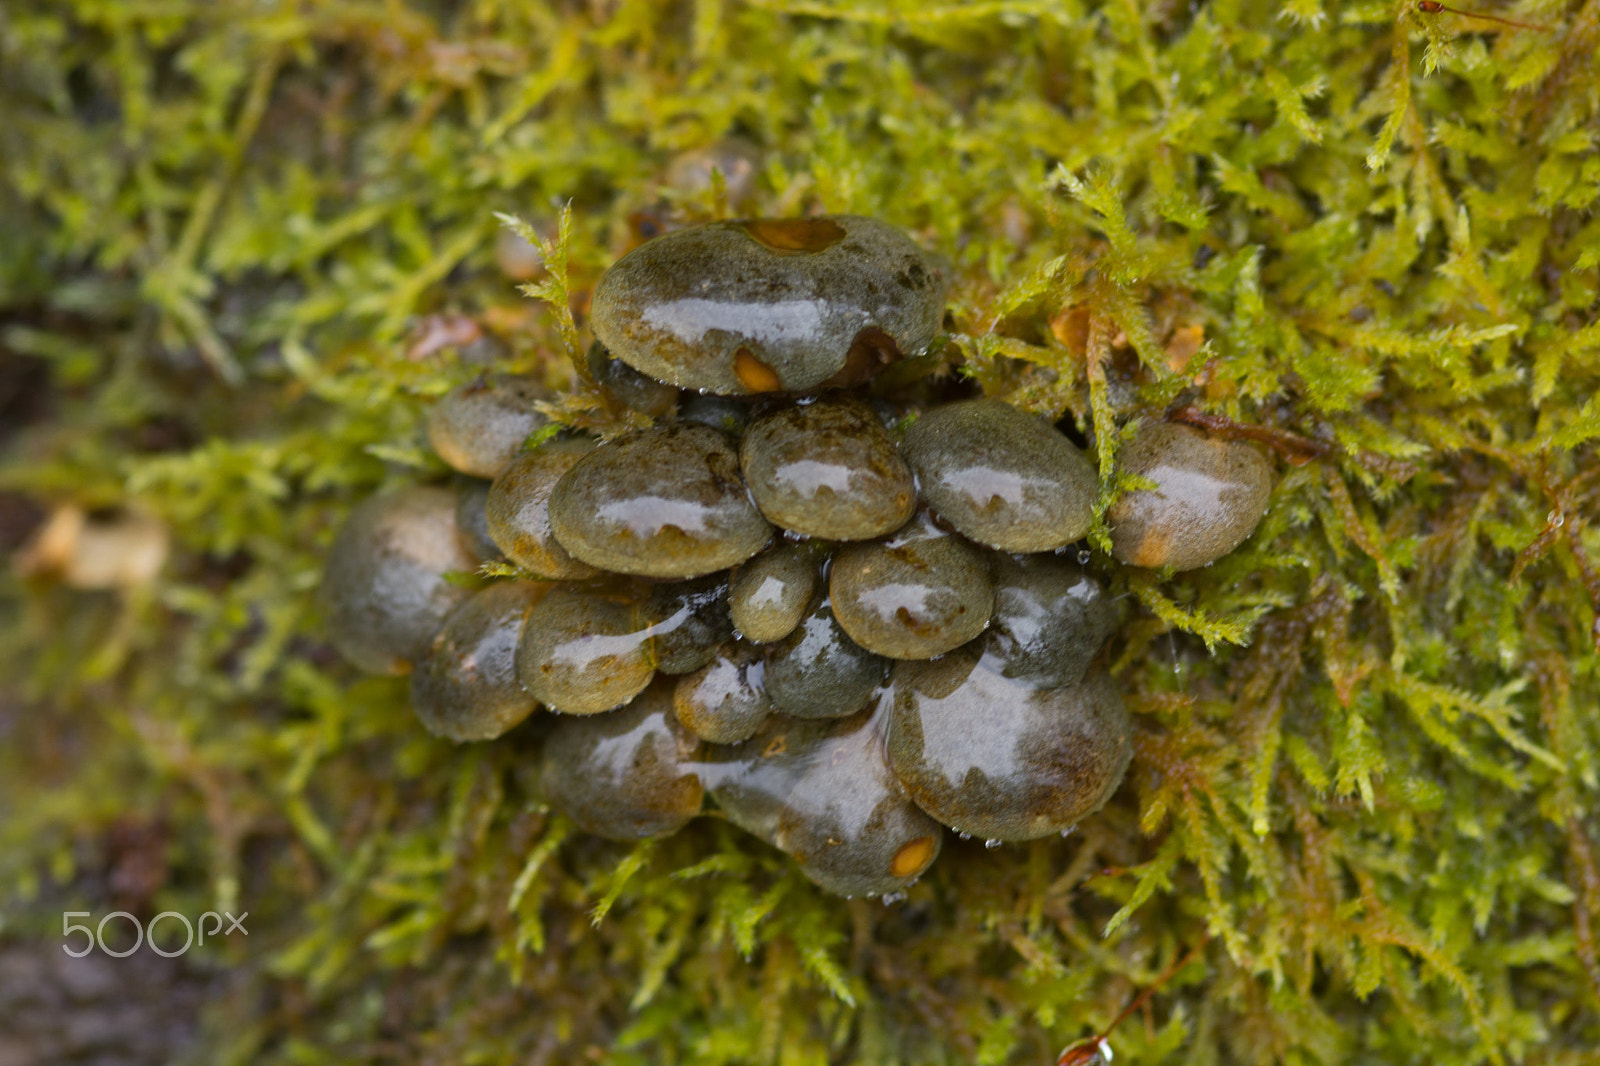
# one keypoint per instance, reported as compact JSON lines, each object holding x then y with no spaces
{"x":466,"y":687}
{"x":688,"y":620}
{"x":771,"y":593}
{"x":1050,"y":620}
{"x":384,"y":592}
{"x":479,"y":427}
{"x":628,"y":775}
{"x":584,"y":651}
{"x":819,"y":672}
{"x":827,"y":469}
{"x":822,"y":792}
{"x":1002,"y":759}
{"x":917,"y":594}
{"x":662,"y":502}
{"x":725,"y":701}
{"x":768,"y":305}
{"x":1210,"y":494}
{"x":517,"y":509}
{"x":1001,"y":476}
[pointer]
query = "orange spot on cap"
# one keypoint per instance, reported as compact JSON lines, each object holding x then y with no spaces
{"x":754,"y":374}
{"x":795,"y":234}
{"x":912,"y":858}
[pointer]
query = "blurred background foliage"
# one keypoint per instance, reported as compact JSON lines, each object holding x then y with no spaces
{"x":245,"y":241}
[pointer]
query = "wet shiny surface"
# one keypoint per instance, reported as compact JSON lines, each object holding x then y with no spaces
{"x":472,"y":519}
{"x":819,"y":672}
{"x":792,"y":294}
{"x":827,"y":469}
{"x":664,"y":502}
{"x":919,"y":593}
{"x":480,"y":427}
{"x":629,"y":387}
{"x":626,"y":775}
{"x":584,"y":650}
{"x":727,"y":413}
{"x":1001,"y":476}
{"x":517,"y":509}
{"x":1211,"y":493}
{"x":1002,"y":759}
{"x":466,"y":687}
{"x":822,"y":791}
{"x":725,"y":701}
{"x":770,"y":594}
{"x":1050,"y":620}
{"x":688,"y":620}
{"x":383,"y":592}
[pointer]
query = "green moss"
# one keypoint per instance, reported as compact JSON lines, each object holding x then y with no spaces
{"x":1366,"y":764}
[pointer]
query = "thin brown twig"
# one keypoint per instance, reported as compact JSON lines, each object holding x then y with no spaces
{"x":1433,"y":7}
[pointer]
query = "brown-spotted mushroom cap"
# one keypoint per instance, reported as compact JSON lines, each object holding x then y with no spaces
{"x":662,"y":502}
{"x":1001,"y":476}
{"x":769,"y":305}
{"x":917,"y":594}
{"x":822,"y":792}
{"x":1210,"y":493}
{"x":827,"y":469}
{"x":585,"y":650}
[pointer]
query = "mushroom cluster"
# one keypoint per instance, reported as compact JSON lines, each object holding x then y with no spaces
{"x":846,"y":617}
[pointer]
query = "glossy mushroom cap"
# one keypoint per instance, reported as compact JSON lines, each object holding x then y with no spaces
{"x":1210,"y":494}
{"x":769,"y":305}
{"x":384,"y":592}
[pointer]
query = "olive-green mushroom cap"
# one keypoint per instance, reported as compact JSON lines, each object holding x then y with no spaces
{"x":472,"y":519}
{"x":768,"y":305}
{"x":725,"y":701}
{"x":769,"y":594}
{"x":819,"y":672}
{"x":517,"y":509}
{"x":727,"y":413}
{"x":1210,"y":494}
{"x":662,"y":502}
{"x":823,"y":792}
{"x":827,"y":469}
{"x":384,"y":593}
{"x":917,"y":594}
{"x":688,"y":621}
{"x":1002,"y":759}
{"x":480,"y":427}
{"x":629,"y":387}
{"x":628,"y":775}
{"x":466,"y":687}
{"x":1050,"y":620}
{"x":584,"y":650}
{"x":1001,"y":476}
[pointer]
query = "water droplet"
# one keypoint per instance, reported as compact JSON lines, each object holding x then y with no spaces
{"x":1069,"y":830}
{"x":992,"y":842}
{"x":891,"y":898}
{"x":1556,"y":519}
{"x":964,"y":836}
{"x":1084,"y":557}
